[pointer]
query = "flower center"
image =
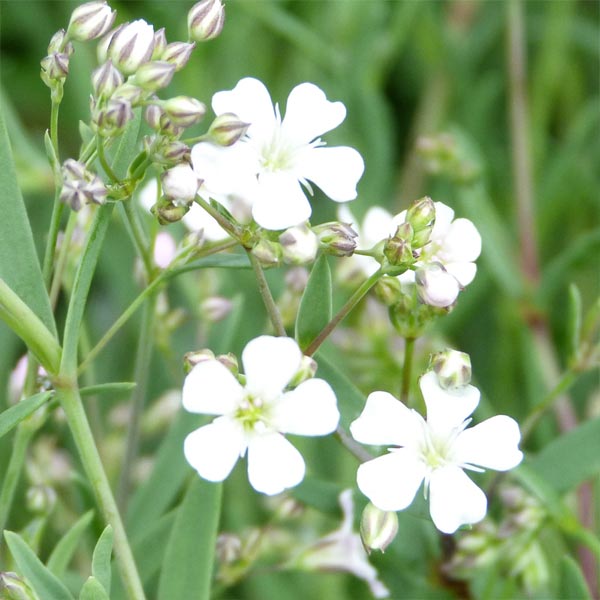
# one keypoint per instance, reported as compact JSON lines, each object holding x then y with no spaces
{"x":276,"y":154}
{"x":436,"y":450}
{"x":252,"y":412}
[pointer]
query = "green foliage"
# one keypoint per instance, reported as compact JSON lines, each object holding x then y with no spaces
{"x":65,"y":549}
{"x":12,"y":416}
{"x":101,"y":559}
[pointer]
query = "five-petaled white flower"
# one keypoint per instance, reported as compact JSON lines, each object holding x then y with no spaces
{"x":434,"y":451}
{"x":253,"y":417}
{"x":276,"y":157}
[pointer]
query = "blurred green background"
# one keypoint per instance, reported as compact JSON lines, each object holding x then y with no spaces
{"x":404,"y":69}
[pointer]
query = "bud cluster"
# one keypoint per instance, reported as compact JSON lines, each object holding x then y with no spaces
{"x":80,"y":186}
{"x":337,"y":239}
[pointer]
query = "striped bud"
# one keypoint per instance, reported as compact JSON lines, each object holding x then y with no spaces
{"x":205,"y":20}
{"x":90,"y":21}
{"x":131,"y":46}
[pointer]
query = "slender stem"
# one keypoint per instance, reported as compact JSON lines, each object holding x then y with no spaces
{"x":356,"y":449}
{"x":62,"y":259}
{"x":138,"y":235}
{"x":142,"y":368}
{"x":265,"y":292}
{"x":356,"y":297}
{"x":102,"y":157}
{"x":219,"y":218}
{"x":54,"y":127}
{"x":70,"y":400}
{"x":409,"y":348}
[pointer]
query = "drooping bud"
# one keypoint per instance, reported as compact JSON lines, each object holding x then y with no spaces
{"x":160,"y":43}
{"x":80,"y":186}
{"x":167,"y":212}
{"x":155,"y":75}
{"x":215,"y":308}
{"x":227,"y":129}
{"x":378,"y":528}
{"x":435,"y":286}
{"x":180,"y":184}
{"x":397,"y":249}
{"x":191,"y":359}
{"x":267,"y":252}
{"x":12,"y":587}
{"x":90,"y":21}
{"x":205,"y":20}
{"x":338,"y":239}
{"x":106,"y":79}
{"x":183,"y":111}
{"x":453,"y":368}
{"x":178,"y":54}
{"x":131,"y":46}
{"x":299,"y":245}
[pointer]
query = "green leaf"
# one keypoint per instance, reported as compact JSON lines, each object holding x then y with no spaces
{"x":92,"y":590}
{"x":574,"y":322}
{"x":42,"y":580}
{"x":190,"y":551}
{"x":15,"y":414}
{"x":101,"y":558}
{"x":65,"y":549}
{"x":218,"y":261}
{"x":112,"y":388}
{"x":571,"y":458}
{"x":572,"y":583}
{"x":315,"y":306}
{"x":19,"y":266}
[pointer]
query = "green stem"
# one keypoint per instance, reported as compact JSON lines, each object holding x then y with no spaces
{"x":407,"y":369}
{"x":80,"y":428}
{"x":142,"y":368}
{"x":356,"y":297}
{"x":26,"y":324}
{"x":54,"y":127}
{"x":62,"y":259}
{"x":219,"y":218}
{"x":102,"y":157}
{"x":265,"y":292}
{"x":137,"y":234}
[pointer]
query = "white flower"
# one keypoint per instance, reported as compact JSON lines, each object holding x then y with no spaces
{"x":131,"y":45}
{"x":342,"y":550}
{"x":277,"y":156}
{"x":434,"y":451}
{"x":165,"y":249}
{"x":180,"y":183}
{"x":252,"y":418}
{"x":299,"y":245}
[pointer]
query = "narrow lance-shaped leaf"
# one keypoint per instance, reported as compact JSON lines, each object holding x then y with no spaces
{"x":15,"y":414}
{"x":65,"y":549}
{"x":101,"y":558}
{"x":92,"y":590}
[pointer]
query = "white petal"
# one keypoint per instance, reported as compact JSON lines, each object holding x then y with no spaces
{"x":274,"y":464}
{"x":214,"y":449}
{"x":335,"y":170}
{"x":310,"y":409}
{"x":391,"y":481}
{"x":308,"y":114}
{"x":210,"y":388}
{"x":447,"y":409}
{"x":251,"y":102}
{"x":443,"y":217}
{"x":197,"y":219}
{"x":378,"y":224}
{"x":493,"y":444}
{"x":147,"y":195}
{"x":462,"y":242}
{"x":463,"y":272}
{"x":435,"y":286}
{"x":280,"y":201}
{"x":385,"y":421}
{"x":454,"y":500}
{"x":269,"y":364}
{"x":345,"y":215}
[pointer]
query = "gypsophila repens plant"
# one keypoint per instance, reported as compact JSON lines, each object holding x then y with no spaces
{"x":241,"y":370}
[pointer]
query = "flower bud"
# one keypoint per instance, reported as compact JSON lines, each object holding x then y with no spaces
{"x":131,"y":46}
{"x":183,"y":110}
{"x":129,"y":92}
{"x":205,"y":20}
{"x":307,"y":370}
{"x":80,"y":186}
{"x":59,"y":43}
{"x":215,"y":308}
{"x":228,"y":548}
{"x":267,"y":252}
{"x":154,"y":75}
{"x":191,"y":359}
{"x":153,"y":115}
{"x":160,"y":43}
{"x":453,"y":368}
{"x":435,"y":286}
{"x":12,"y":587}
{"x":397,"y":249}
{"x":388,"y":290}
{"x":40,"y":499}
{"x":106,"y":79}
{"x":117,"y":114}
{"x":55,"y":67}
{"x":104,"y":43}
{"x":167,"y":212}
{"x":178,"y":54}
{"x":378,"y":528}
{"x":336,"y":238}
{"x":230,"y":361}
{"x":90,"y":21}
{"x":180,"y":184}
{"x":421,"y":213}
{"x":299,"y":245}
{"x":175,"y":152}
{"x":227,"y":129}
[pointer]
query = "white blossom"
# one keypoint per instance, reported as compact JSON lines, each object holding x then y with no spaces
{"x":434,"y":451}
{"x":253,"y":418}
{"x":278,"y":156}
{"x":180,"y":183}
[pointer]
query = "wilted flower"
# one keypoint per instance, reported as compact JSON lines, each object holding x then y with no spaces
{"x":277,"y":156}
{"x":435,"y":451}
{"x":252,"y":418}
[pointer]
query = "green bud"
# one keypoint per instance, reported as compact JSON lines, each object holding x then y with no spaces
{"x":230,"y":361}
{"x":421,"y":213}
{"x":90,"y":21}
{"x":40,"y":499}
{"x":307,"y":370}
{"x":12,"y":587}
{"x":191,"y":359}
{"x":167,"y":212}
{"x":155,"y":75}
{"x":178,"y":54}
{"x":183,"y":111}
{"x":205,"y":20}
{"x":338,"y":239}
{"x":453,"y":368}
{"x":378,"y":528}
{"x":160,"y":44}
{"x":227,"y":129}
{"x":388,"y":290}
{"x":268,"y":253}
{"x":398,"y":249}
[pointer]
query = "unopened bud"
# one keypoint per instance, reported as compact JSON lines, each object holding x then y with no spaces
{"x":183,"y":111}
{"x":12,"y":587}
{"x":421,"y":213}
{"x":58,"y":43}
{"x":336,"y":238}
{"x":267,"y":252}
{"x":397,"y":249}
{"x":453,"y":368}
{"x":106,"y":79}
{"x":104,"y":43}
{"x":180,"y":184}
{"x":230,"y":361}
{"x":307,"y":370}
{"x":40,"y":499}
{"x":228,"y":548}
{"x":215,"y":308}
{"x":191,"y":359}
{"x":153,"y":114}
{"x":178,"y":54}
{"x":227,"y":129}
{"x":55,"y":67}
{"x":205,"y":20}
{"x":388,"y":290}
{"x":421,"y":238}
{"x":175,"y":152}
{"x":166,"y":212}
{"x":80,"y":186}
{"x":90,"y":21}
{"x":131,"y":46}
{"x":154,"y":75}
{"x":117,"y":114}
{"x":160,"y":43}
{"x":435,"y":286}
{"x":378,"y":528}
{"x":129,"y":92}
{"x":299,"y":245}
